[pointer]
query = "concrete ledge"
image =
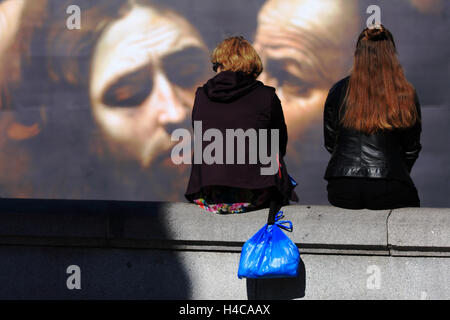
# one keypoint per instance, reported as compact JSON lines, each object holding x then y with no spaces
{"x":150,"y":250}
{"x":182,"y":226}
{"x":419,"y":232}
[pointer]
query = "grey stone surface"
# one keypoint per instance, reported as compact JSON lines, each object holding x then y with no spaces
{"x":183,"y":226}
{"x":319,"y":224}
{"x":118,"y":246}
{"x":40,"y":273}
{"x":315,"y":228}
{"x":354,"y":277}
{"x":334,"y":226}
{"x":419,"y":230}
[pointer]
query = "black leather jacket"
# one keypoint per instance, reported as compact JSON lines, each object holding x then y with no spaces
{"x":386,"y":154}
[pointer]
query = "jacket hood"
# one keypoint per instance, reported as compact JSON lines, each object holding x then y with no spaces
{"x":227,"y":86}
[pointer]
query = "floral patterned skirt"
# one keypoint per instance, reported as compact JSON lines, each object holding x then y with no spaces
{"x":229,"y":200}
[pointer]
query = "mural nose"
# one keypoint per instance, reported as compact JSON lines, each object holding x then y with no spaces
{"x":169,"y":104}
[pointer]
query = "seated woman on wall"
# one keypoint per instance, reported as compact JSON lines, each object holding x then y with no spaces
{"x":235,"y":100}
{"x":372,"y":126}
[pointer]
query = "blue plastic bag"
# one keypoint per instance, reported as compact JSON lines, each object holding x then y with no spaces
{"x":270,"y":253}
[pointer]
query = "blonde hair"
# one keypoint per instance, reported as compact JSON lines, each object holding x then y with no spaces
{"x":237,"y":54}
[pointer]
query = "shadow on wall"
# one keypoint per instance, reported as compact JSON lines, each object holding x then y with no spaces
{"x":38,"y":270}
{"x":278,"y":289}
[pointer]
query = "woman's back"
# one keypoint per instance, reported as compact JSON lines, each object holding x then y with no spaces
{"x":229,"y":102}
{"x":233,"y":100}
{"x":243,"y":136}
{"x":360,"y":154}
{"x":372,"y":128}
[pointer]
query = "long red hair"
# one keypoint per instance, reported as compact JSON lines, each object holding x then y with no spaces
{"x":378,"y":95}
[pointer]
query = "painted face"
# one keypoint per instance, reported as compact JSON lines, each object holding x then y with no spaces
{"x":145,"y":70}
{"x":428,"y":6}
{"x":302,"y":47}
{"x":10,"y":11}
{"x":15,"y":157}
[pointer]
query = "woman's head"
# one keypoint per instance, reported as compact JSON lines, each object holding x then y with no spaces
{"x":237,"y":54}
{"x":375,"y":40}
{"x":378,"y":96}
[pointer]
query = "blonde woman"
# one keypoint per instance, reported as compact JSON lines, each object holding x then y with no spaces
{"x":235,"y":99}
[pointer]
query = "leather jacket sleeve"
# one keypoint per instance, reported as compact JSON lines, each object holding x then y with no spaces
{"x":278,"y":122}
{"x":331,"y":118}
{"x":410,"y":139}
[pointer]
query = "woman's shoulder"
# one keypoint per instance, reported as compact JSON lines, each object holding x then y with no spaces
{"x":340,"y":85}
{"x":266,"y":87}
{"x":267,"y":91}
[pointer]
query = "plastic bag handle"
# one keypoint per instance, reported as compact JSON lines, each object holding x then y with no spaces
{"x":286,"y":225}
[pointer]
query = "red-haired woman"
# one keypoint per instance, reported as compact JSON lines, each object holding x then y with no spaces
{"x":372,"y":127}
